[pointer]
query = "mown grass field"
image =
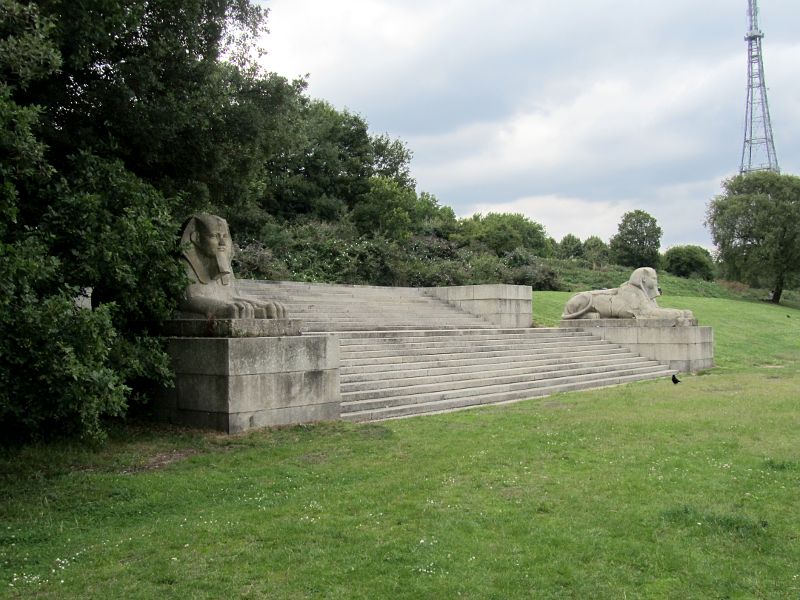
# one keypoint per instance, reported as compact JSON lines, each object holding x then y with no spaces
{"x":650,"y":490}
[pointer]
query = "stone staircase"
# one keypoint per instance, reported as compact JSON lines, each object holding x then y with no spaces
{"x":328,"y":307}
{"x":404,"y":353}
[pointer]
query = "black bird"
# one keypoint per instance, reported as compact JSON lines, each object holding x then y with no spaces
{"x":675,"y":379}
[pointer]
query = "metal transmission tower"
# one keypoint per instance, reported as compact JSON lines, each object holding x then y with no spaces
{"x":758,"y":152}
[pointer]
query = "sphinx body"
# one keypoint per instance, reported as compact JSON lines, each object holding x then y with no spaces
{"x":207,"y":255}
{"x":634,"y":299}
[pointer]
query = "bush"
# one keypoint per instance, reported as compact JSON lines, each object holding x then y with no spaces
{"x":689,"y":261}
{"x":253,"y":260}
{"x":55,"y":358}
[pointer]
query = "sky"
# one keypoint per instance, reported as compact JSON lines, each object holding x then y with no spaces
{"x":571,"y":113}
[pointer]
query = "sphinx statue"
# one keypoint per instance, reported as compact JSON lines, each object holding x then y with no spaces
{"x":212,"y":293}
{"x":634,"y":299}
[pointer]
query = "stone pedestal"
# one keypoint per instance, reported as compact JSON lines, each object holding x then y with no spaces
{"x":684,"y":347}
{"x":233,"y":384}
{"x":503,"y":305}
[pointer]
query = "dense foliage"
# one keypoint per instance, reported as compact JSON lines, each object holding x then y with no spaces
{"x":117,"y":119}
{"x":755,"y":225}
{"x":689,"y":261}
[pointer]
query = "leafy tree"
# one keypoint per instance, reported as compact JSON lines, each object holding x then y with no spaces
{"x":689,"y":261}
{"x":595,"y":251}
{"x":325,"y":169}
{"x":755,"y":225}
{"x":637,"y":241}
{"x":55,"y":368}
{"x":116,"y":119}
{"x":388,"y":209}
{"x":392,"y":159}
{"x":502,"y":233}
{"x":570,"y":246}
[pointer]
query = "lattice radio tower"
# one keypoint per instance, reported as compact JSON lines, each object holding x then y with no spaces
{"x":758,"y":152}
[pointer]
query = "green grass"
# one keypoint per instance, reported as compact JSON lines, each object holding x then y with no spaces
{"x":643,"y":491}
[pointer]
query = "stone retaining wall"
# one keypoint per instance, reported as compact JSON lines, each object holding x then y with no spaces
{"x":500,"y":304}
{"x":239,"y":383}
{"x":683,"y":348}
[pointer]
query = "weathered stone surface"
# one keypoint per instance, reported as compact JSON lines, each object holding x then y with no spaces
{"x":212,"y":293}
{"x":502,"y":305}
{"x":231,"y":327}
{"x":234,"y":384}
{"x":683,"y":347}
{"x":634,"y":299}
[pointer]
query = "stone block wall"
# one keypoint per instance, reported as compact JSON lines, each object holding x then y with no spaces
{"x":241,"y":383}
{"x":501,"y":304}
{"x":683,"y":348}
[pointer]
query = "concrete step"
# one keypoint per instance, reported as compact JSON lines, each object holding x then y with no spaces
{"x":446,"y":403}
{"x":387,"y":366}
{"x":333,"y":327}
{"x":463,"y":352}
{"x":523,"y":380}
{"x":463,"y":336}
{"x":422,"y":351}
{"x":356,"y":382}
{"x":422,"y":344}
{"x":538,"y":331}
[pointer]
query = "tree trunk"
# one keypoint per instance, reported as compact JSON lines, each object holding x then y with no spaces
{"x":776,"y":293}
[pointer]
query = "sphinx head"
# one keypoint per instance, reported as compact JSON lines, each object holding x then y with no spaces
{"x":646,"y":279}
{"x":207,"y":240}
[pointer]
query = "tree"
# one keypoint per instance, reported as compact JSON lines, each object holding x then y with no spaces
{"x":388,"y":209}
{"x":637,"y":241}
{"x":755,"y":225}
{"x":326,"y":167}
{"x":570,"y":246}
{"x":689,"y":261}
{"x":392,"y":159}
{"x":502,"y":232}
{"x":116,"y":119}
{"x":595,"y":251}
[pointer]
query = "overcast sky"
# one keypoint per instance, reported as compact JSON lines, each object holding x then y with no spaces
{"x":571,"y":113}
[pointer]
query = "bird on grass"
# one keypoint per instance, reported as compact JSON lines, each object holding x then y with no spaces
{"x":675,"y":380}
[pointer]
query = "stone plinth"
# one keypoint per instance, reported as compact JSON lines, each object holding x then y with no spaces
{"x":233,"y":384}
{"x":500,"y":304}
{"x":231,"y":327}
{"x":685,"y":347}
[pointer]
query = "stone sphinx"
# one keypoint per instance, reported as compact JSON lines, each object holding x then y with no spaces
{"x":634,"y":299}
{"x":212,"y":293}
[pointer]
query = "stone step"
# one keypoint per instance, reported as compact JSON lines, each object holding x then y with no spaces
{"x":332,"y":327}
{"x":465,"y":351}
{"x":428,"y":384}
{"x":431,"y":350}
{"x":439,"y":403}
{"x":391,"y":340}
{"x":411,"y":343}
{"x":476,"y":361}
{"x":486,"y":385}
{"x":427,"y":333}
{"x":358,"y":381}
{"x":379,"y":372}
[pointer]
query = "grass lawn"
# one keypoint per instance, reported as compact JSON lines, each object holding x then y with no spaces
{"x":650,"y":490}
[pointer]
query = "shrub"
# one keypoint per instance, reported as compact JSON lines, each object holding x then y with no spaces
{"x":55,"y":358}
{"x":689,"y":261}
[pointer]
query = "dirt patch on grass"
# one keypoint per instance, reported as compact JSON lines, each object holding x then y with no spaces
{"x":161,"y":460}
